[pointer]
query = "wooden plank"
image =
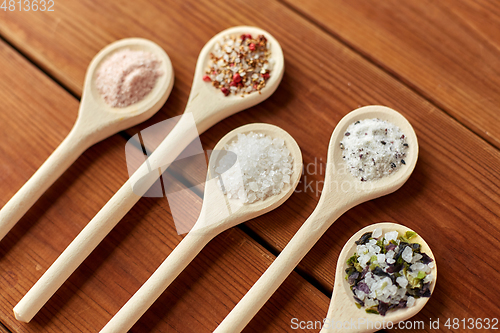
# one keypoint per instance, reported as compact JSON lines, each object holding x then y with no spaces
{"x":452,"y":199}
{"x":33,"y":123}
{"x":448,"y":51}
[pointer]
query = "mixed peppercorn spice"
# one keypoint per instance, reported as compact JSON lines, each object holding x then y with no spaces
{"x":240,"y":64}
{"x":388,"y":272}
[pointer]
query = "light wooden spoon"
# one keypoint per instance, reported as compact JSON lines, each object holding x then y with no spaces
{"x":217,"y":215}
{"x":340,"y":193}
{"x":206,"y":106}
{"x":343,"y":309}
{"x":96,"y":121}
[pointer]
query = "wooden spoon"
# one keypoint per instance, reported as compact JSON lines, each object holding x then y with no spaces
{"x":340,"y":193}
{"x":96,"y":121}
{"x":217,"y":215}
{"x":206,"y":106}
{"x":343,"y":309}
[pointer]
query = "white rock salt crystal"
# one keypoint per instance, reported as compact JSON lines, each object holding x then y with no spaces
{"x":407,"y":254}
{"x":381,"y":258}
{"x":360,"y":294}
{"x":428,"y":278}
{"x":370,"y":302}
{"x":377,"y":233}
{"x":418,"y":267}
{"x":261,"y":160}
{"x":410,"y":301}
{"x":416,"y":257}
{"x":390,"y":254}
{"x":402,"y":281}
{"x":431,"y":264}
{"x":391,"y":235}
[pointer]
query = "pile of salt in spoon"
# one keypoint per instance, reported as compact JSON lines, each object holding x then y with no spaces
{"x":264,"y":167}
{"x":127,"y":77}
{"x":373,"y":148}
{"x":388,"y":271}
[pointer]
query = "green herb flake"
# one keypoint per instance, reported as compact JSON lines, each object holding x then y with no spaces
{"x":421,"y":275}
{"x":353,"y":259}
{"x":410,"y":234}
{"x":371,"y":310}
{"x":358,"y":305}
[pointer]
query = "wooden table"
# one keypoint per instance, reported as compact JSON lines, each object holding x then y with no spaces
{"x":437,"y":62}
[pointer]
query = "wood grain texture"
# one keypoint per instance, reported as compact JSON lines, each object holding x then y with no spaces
{"x":448,"y":51}
{"x":194,"y":303}
{"x":452,"y":199}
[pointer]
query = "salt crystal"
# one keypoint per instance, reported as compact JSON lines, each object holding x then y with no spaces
{"x":410,"y":302}
{"x":377,"y":233}
{"x":407,"y":254}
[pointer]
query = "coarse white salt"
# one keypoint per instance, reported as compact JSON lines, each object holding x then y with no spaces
{"x":373,"y":148}
{"x":263,"y":168}
{"x":377,"y":233}
{"x":127,"y":76}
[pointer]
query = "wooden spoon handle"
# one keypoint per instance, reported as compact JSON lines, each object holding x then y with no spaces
{"x":310,"y":232}
{"x":60,"y":160}
{"x":175,"y":263}
{"x":104,"y":221}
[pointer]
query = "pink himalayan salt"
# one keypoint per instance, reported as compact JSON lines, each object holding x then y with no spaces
{"x":127,"y":76}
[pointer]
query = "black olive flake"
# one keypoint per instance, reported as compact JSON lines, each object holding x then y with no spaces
{"x":405,"y":144}
{"x":393,"y":165}
{"x":364,"y":238}
{"x":357,"y":122}
{"x":403,"y":162}
{"x":382,"y":308}
{"x":347,"y":133}
{"x":383,"y":142}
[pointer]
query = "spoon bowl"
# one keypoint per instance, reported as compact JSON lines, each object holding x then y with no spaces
{"x":216,"y":205}
{"x":218,"y":213}
{"x":209,"y":105}
{"x":337,"y":172}
{"x":343,"y":308}
{"x":341,"y":192}
{"x":108,"y":120}
{"x":206,"y":106}
{"x":96,"y":121}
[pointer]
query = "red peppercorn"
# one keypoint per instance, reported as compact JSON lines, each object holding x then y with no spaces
{"x":232,"y":84}
{"x":251,"y":47}
{"x":262,"y":38}
{"x":206,"y":78}
{"x":225,"y":91}
{"x":265,"y":76}
{"x":245,"y":36}
{"x":236,"y":77}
